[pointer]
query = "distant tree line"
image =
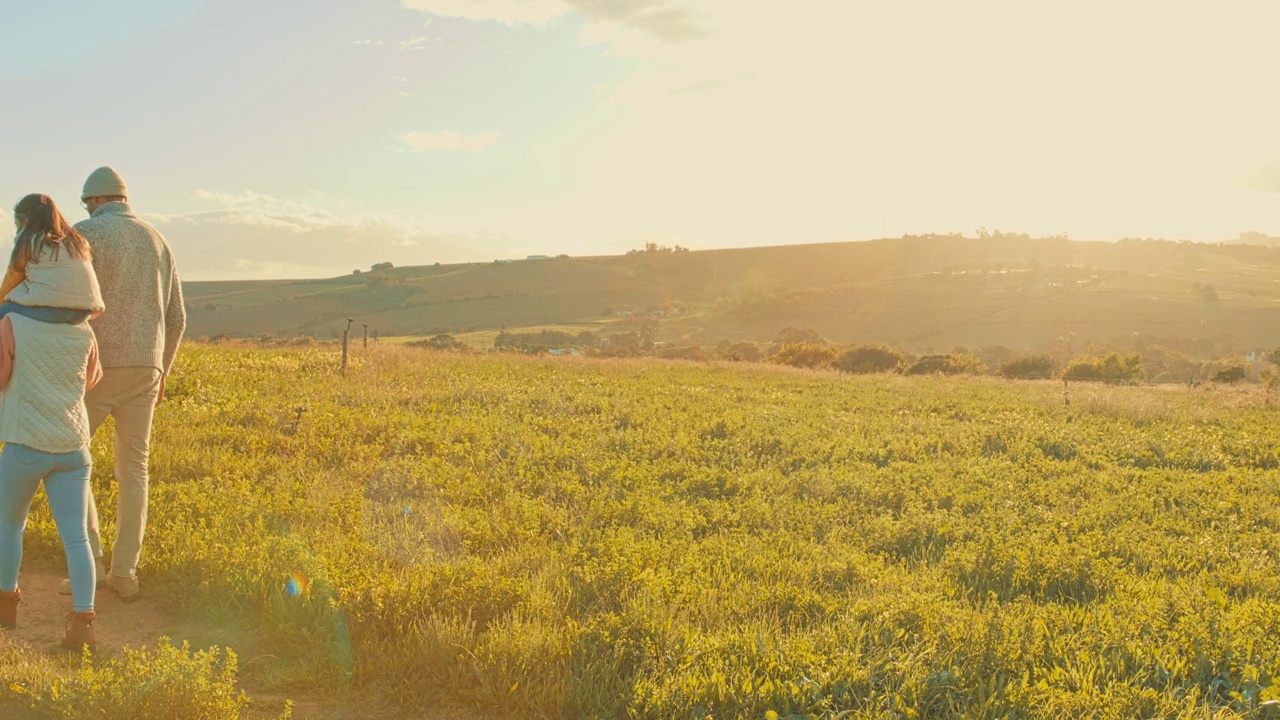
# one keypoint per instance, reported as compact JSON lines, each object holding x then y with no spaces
{"x":806,"y":348}
{"x":656,"y":248}
{"x":1152,"y":358}
{"x":543,"y":341}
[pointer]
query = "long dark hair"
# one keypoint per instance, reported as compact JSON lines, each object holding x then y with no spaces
{"x":41,"y":224}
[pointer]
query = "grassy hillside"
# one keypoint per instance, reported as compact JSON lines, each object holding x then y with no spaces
{"x":443,"y":535}
{"x":928,"y":293}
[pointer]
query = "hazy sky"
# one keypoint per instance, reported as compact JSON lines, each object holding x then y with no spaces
{"x":289,"y":138}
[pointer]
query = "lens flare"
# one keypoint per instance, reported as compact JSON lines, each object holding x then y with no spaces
{"x":296,"y":584}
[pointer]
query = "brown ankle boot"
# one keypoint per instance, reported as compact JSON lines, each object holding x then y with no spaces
{"x":79,"y":631}
{"x":9,"y":608}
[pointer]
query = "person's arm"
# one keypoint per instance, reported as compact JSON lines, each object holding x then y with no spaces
{"x":175,"y":320}
{"x":12,"y":279}
{"x":7,"y":351}
{"x":94,"y":368}
{"x":175,"y":323}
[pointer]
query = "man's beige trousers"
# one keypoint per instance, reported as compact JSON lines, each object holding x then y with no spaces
{"x":129,"y":395}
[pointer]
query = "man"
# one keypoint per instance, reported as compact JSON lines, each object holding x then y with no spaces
{"x":138,"y":336}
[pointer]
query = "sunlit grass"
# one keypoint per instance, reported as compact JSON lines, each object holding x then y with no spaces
{"x":565,"y":537}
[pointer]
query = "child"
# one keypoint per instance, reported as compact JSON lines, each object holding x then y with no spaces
{"x":46,"y":281}
{"x":45,"y":368}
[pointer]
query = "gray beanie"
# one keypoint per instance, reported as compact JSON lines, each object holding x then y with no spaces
{"x":104,"y":182}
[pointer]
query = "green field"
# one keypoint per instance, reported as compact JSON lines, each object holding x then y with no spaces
{"x":446,"y":535}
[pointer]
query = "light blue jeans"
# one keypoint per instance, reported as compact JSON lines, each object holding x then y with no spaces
{"x":66,"y":482}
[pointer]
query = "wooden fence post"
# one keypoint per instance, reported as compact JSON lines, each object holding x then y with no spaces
{"x":345,"y":334}
{"x":366,"y":337}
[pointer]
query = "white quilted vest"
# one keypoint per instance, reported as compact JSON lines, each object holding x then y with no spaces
{"x":43,"y":406}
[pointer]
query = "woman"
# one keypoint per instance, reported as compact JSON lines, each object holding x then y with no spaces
{"x":45,"y":368}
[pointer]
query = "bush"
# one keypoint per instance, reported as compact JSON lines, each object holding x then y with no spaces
{"x":739,"y":351}
{"x":869,"y":359}
{"x":955,"y":364}
{"x":790,"y":335}
{"x":379,"y":279}
{"x":1032,"y":367}
{"x":804,"y":355}
{"x":165,"y":681}
{"x":439,"y":342}
{"x":1112,"y":368}
{"x":627,"y":344}
{"x":694,"y":353}
{"x":542,"y":340}
{"x":1231,"y":374}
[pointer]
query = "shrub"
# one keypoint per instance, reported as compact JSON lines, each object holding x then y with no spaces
{"x":165,"y":681}
{"x":381,"y":279}
{"x":804,"y":355}
{"x":528,"y":341}
{"x":869,"y":359}
{"x":799,"y":335}
{"x":1031,"y":367}
{"x":739,"y":351}
{"x":683,"y":353}
{"x":439,"y":342}
{"x":954,"y":364}
{"x":625,"y":344}
{"x":1112,"y":368}
{"x":1230,"y":374}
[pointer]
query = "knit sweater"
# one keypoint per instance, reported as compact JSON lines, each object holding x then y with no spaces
{"x":145,"y":317}
{"x":43,"y":405}
{"x":56,"y":279}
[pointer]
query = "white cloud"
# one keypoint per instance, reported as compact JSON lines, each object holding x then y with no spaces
{"x":250,"y":234}
{"x":255,"y":208}
{"x":510,"y":12}
{"x":664,"y":20}
{"x":449,"y":141}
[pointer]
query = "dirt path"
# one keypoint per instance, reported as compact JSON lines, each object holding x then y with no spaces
{"x":43,"y":612}
{"x":42,"y":617}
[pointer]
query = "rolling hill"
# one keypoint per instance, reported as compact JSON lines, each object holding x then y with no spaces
{"x":919,"y":293}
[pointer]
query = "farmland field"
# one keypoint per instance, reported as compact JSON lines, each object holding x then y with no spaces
{"x":441,"y":535}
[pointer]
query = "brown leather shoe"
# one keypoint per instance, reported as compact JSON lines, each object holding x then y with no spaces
{"x":9,"y":608}
{"x":79,"y":631}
